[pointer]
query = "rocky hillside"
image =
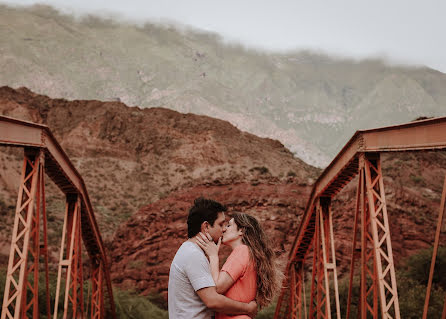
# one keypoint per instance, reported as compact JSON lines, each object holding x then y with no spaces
{"x":312,"y":103}
{"x":143,"y":248}
{"x":155,"y":161}
{"x":130,"y":157}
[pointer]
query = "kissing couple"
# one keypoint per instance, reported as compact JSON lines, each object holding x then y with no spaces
{"x":248,"y":280}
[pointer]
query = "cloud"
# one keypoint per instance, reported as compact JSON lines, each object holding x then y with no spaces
{"x":408,"y":32}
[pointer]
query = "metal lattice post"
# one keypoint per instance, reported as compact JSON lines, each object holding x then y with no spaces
{"x":314,"y":275}
{"x":296,"y":293}
{"x":434,"y":254}
{"x":293,"y":297}
{"x":303,"y":289}
{"x":382,"y":244}
{"x":74,"y":293}
{"x":329,"y":255}
{"x":281,"y":308}
{"x":323,"y":282}
{"x":97,"y":309}
{"x":320,"y":285}
{"x":355,"y":231}
{"x":80,"y":275}
{"x":34,"y":251}
{"x":69,"y":258}
{"x":44,"y":247}
{"x":16,"y":281}
{"x":368,"y":257}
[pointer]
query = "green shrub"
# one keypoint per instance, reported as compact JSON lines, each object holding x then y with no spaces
{"x":131,"y":306}
{"x":267,"y":312}
{"x":261,"y":169}
{"x":417,"y":179}
{"x":128,"y":304}
{"x":418,"y":267}
{"x":412,"y":281}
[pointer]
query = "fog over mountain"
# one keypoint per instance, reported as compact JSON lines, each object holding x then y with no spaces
{"x":400,"y":31}
{"x":311,"y":102}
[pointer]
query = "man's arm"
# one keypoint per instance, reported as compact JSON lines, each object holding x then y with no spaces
{"x":223,"y":304}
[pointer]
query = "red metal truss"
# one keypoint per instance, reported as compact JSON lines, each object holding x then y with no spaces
{"x":43,"y":155}
{"x":25,"y":222}
{"x":296,"y":298}
{"x":434,"y":255}
{"x":96,"y":298}
{"x":378,"y":290}
{"x":324,"y":265}
{"x":71,"y":261}
{"x":383,"y":262}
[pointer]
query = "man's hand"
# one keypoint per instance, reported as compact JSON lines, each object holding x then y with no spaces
{"x":209,"y":247}
{"x":252,"y":309}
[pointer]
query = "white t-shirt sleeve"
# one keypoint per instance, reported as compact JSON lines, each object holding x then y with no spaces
{"x":199,"y":272}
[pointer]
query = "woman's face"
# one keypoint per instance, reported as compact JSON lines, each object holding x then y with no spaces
{"x":231,"y":233}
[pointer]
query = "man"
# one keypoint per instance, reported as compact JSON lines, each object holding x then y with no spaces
{"x":192,"y":292}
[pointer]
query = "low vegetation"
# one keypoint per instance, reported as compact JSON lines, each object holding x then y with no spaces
{"x":128,"y":304}
{"x":412,"y":281}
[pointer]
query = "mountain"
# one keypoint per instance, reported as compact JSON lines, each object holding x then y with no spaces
{"x":130,"y":157}
{"x":310,"y":102}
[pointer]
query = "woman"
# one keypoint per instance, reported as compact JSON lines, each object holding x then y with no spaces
{"x":250,"y":272}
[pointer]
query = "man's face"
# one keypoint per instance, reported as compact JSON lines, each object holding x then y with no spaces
{"x":216,"y":230}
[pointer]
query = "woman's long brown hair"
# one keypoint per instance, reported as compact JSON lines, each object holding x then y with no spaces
{"x":269,"y":275}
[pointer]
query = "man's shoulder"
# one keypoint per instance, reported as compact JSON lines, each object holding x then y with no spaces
{"x":190,"y":248}
{"x":189,"y":252}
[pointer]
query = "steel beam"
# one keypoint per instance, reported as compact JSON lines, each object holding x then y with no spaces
{"x":329,"y":255}
{"x":25,"y":222}
{"x":369,"y":279}
{"x":44,"y":247}
{"x":434,"y":253}
{"x":382,"y":245}
{"x":297,"y":295}
{"x":359,"y":200}
{"x":70,"y":260}
{"x":97,"y":306}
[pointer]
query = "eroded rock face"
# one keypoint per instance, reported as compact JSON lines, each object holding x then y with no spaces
{"x":130,"y":157}
{"x":144,"y":247}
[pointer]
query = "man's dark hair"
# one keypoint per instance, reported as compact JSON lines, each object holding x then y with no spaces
{"x":203,"y":210}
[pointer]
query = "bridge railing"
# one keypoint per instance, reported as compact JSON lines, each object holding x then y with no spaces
{"x":371,"y":245}
{"x":44,"y":156}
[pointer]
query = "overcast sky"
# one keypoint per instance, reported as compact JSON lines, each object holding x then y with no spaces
{"x":403,"y":31}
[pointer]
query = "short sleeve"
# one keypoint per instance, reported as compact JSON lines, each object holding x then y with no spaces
{"x":237,"y":262}
{"x":198,"y":272}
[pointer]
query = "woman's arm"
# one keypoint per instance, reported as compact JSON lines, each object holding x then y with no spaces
{"x":224,"y":282}
{"x":211,"y":250}
{"x":214,"y":262}
{"x":221,"y":278}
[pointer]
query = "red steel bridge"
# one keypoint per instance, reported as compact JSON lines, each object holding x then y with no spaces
{"x":314,"y":241}
{"x":371,"y":238}
{"x":44,"y":156}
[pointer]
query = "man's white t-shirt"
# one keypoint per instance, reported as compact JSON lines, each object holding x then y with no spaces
{"x":189,"y":272}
